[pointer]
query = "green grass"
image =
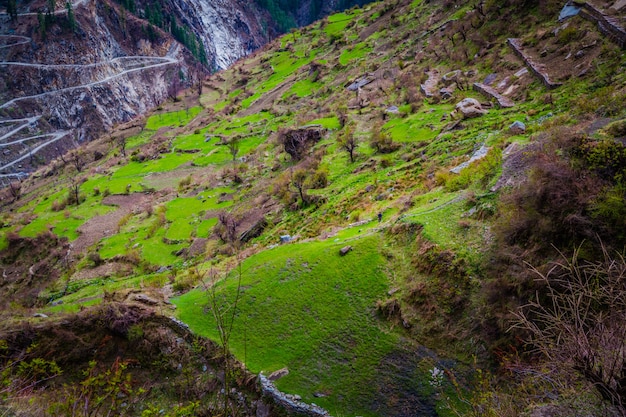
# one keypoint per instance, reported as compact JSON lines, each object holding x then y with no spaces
{"x":355,"y":52}
{"x":305,"y":307}
{"x":338,"y":22}
{"x":181,"y":117}
{"x":166,"y":162}
{"x":327,"y":122}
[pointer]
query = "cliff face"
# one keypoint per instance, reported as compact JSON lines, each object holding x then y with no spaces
{"x":229,"y":29}
{"x":67,"y":77}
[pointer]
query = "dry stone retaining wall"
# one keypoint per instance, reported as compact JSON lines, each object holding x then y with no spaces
{"x":535,"y":67}
{"x":606,"y":24}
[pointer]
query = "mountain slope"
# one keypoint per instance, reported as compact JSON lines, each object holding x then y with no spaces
{"x":309,"y":140}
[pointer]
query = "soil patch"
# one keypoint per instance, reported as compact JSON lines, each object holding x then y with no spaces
{"x":99,"y":227}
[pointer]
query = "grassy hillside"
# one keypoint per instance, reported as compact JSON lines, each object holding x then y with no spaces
{"x":313,"y":138}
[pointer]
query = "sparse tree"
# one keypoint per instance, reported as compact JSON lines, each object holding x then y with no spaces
{"x":226,"y":229}
{"x":74,"y":190}
{"x":233,"y":146}
{"x":348,"y":141}
{"x":12,"y":9}
{"x":70,"y":16}
{"x":381,"y":141}
{"x":299,"y":180}
{"x":121,"y":144}
{"x":224,"y":313}
{"x":77,"y":157}
{"x":42,"y":24}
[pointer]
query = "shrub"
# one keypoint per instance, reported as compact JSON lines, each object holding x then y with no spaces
{"x":319,"y":179}
{"x":58,"y":205}
{"x":616,"y":129}
{"x":580,"y":323}
{"x":381,"y":141}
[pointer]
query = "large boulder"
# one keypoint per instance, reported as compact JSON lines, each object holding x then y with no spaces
{"x":470,"y":107}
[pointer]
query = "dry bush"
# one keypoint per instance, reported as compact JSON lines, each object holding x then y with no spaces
{"x":580,"y":320}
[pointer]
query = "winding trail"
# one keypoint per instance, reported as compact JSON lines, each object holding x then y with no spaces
{"x":55,"y":136}
{"x":29,"y":121}
{"x":129,"y":64}
{"x":57,"y":11}
{"x":163,"y":62}
{"x":24,"y":40}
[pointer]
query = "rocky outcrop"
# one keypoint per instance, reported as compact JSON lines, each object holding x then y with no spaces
{"x":229,"y":29}
{"x":429,"y":88}
{"x":491,"y":93}
{"x":291,"y":403}
{"x":537,"y":69}
{"x":469,"y":108}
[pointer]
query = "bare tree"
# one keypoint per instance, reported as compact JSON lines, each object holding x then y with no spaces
{"x":226,"y":228}
{"x":15,"y":188}
{"x":298,"y":180}
{"x":224,"y":313}
{"x":348,"y":141}
{"x":233,"y":146}
{"x":77,"y":157}
{"x":581,"y":320}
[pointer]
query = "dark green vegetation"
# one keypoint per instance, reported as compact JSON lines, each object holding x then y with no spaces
{"x":291,"y":13}
{"x":158,"y":17}
{"x":422,"y":315}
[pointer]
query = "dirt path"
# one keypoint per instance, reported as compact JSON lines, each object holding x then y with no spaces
{"x":101,"y":226}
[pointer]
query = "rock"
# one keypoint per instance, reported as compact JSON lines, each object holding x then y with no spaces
{"x":428,"y":88}
{"x":451,"y":77}
{"x":392,"y":109}
{"x":360,"y":82}
{"x":254,"y":231}
{"x":470,"y":107}
{"x":446,"y":92}
{"x":263,"y":410}
{"x":479,"y":154}
{"x":369,"y":188}
{"x":517,"y":128}
{"x":521,"y":72}
{"x":278,"y":374}
{"x":343,"y":251}
{"x":144,"y":299}
{"x":490,"y":79}
{"x":285,"y":239}
{"x":619,"y":5}
{"x":502,"y":101}
{"x":40,"y":315}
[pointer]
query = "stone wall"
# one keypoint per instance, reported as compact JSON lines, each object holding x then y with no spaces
{"x":535,"y":68}
{"x":606,"y":24}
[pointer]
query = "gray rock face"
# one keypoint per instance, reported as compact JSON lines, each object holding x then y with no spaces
{"x":517,"y":128}
{"x":470,"y":107}
{"x":228,"y":29}
{"x":479,"y":154}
